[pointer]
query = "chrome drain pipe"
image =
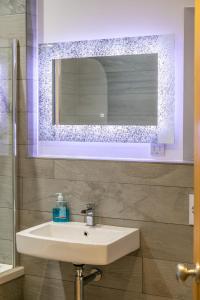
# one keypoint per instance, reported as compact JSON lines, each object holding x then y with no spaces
{"x":81,"y":280}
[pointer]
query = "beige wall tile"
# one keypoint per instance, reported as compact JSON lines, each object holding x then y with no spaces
{"x":5,"y":166}
{"x":6,"y":65}
{"x":6,"y":252}
{"x":6,"y":130}
{"x":125,"y":201}
{"x":45,"y":289}
{"x":167,"y":241}
{"x":22,"y":129}
{"x":126,"y":272}
{"x":6,"y":196}
{"x":30,"y":168}
{"x":6,"y":215}
{"x":12,"y":290}
{"x":22,"y":151}
{"x":19,"y":183}
{"x":32,"y":218}
{"x":14,"y":26}
{"x":159,"y":279}
{"x":5,"y":91}
{"x":126,"y":172}
{"x":99,"y":293}
{"x":46,"y":268}
{"x":9,"y":7}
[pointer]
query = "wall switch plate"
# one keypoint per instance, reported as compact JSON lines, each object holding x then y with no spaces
{"x":157,"y":149}
{"x":191,"y":209}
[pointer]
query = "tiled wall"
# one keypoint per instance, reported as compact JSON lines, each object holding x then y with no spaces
{"x":12,"y":290}
{"x":153,"y":197}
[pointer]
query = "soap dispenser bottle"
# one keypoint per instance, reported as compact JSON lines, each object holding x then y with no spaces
{"x":61,"y":211}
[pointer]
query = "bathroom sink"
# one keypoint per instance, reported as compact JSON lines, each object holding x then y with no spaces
{"x":77,"y":243}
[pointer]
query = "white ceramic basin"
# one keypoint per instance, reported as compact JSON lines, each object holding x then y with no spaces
{"x":78,"y":243}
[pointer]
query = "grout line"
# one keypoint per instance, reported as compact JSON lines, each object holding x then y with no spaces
{"x":3,"y":239}
{"x":166,"y":260}
{"x":13,"y":14}
{"x":5,"y":207}
{"x":144,"y":221}
{"x":158,"y":296}
{"x":109,"y":182}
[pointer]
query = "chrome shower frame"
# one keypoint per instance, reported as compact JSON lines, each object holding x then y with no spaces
{"x":14,"y":146}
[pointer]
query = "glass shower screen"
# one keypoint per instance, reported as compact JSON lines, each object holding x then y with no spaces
{"x":8,"y":77}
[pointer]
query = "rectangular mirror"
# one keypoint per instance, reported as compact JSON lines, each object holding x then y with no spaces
{"x":106,"y":90}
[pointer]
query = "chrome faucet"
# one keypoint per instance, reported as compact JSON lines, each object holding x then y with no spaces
{"x":89,"y":213}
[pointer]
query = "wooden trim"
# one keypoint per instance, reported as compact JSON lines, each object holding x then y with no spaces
{"x":196,"y":294}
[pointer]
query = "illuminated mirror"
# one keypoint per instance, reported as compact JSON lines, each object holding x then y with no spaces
{"x":130,"y":98}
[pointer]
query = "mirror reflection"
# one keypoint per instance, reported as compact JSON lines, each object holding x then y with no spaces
{"x":106,"y":90}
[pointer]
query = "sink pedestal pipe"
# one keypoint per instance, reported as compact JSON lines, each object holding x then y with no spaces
{"x":81,"y":280}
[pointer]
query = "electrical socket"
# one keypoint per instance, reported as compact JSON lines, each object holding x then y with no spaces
{"x":157,"y":149}
{"x":191,"y":209}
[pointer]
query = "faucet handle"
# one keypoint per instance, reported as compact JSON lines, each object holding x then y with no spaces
{"x":89,"y":207}
{"x":84,"y":211}
{"x":89,"y":213}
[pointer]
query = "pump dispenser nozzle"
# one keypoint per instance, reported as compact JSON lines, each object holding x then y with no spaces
{"x":60,"y":197}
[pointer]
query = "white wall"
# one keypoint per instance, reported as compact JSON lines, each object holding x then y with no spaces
{"x":67,"y":20}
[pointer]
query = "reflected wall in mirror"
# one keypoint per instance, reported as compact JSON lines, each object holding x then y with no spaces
{"x":108,"y":90}
{"x":149,"y":118}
